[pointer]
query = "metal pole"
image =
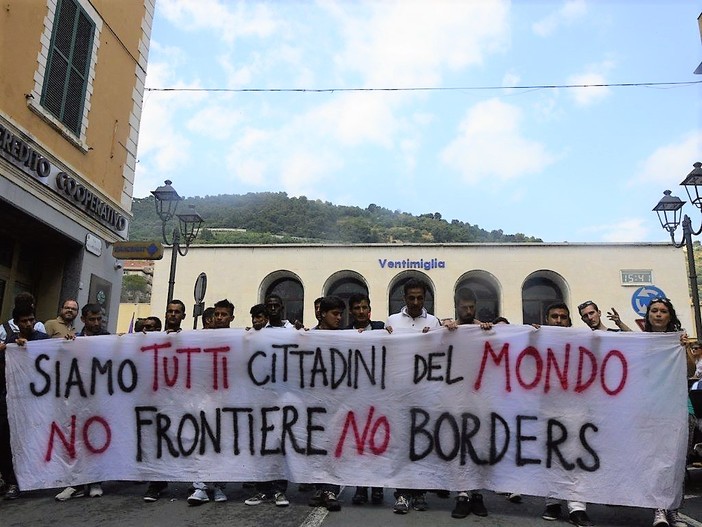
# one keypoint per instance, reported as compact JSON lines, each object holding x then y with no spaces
{"x":174,"y":259}
{"x":692,"y":274}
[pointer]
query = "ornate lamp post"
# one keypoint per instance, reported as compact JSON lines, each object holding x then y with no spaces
{"x":166,"y":200}
{"x":669,"y":210}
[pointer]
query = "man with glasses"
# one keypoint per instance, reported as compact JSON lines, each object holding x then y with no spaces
{"x":63,"y":325}
{"x":592,"y":316}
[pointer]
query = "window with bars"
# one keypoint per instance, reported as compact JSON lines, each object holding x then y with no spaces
{"x":66,"y":78}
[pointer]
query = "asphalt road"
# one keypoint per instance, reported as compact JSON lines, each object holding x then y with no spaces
{"x":122,"y":506}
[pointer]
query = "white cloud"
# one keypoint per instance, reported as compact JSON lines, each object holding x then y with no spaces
{"x":229,"y":20}
{"x":215,"y":122}
{"x":568,"y":13}
{"x":490,"y":145}
{"x":593,"y":74}
{"x":625,"y":230}
{"x":411,"y":43}
{"x":669,"y":164}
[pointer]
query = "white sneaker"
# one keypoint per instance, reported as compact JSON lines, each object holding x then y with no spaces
{"x":281,"y":500}
{"x":256,"y":499}
{"x":198,"y":497}
{"x":219,"y":495}
{"x":95,"y":490}
{"x":674,"y":520}
{"x":660,"y":519}
{"x":70,"y":492}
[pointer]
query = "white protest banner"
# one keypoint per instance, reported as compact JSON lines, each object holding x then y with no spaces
{"x":575,"y":414}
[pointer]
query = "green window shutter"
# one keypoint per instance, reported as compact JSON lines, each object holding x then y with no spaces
{"x":66,"y":77}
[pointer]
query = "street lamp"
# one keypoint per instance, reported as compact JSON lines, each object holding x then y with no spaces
{"x":669,"y":210}
{"x":166,"y":200}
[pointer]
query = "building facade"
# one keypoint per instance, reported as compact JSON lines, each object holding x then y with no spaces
{"x":71,"y":91}
{"x":516,"y":281}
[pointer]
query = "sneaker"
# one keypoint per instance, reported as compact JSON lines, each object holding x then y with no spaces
{"x":12,"y":493}
{"x":153,"y":492}
{"x":514,"y":498}
{"x":377,"y":497}
{"x":198,"y":497}
{"x":281,"y":500}
{"x":552,"y":512}
{"x":660,"y":518}
{"x":477,"y":506}
{"x":674,"y":519}
{"x":95,"y":490}
{"x":419,"y":502}
{"x":462,"y":508}
{"x":70,"y":493}
{"x":580,"y":518}
{"x":219,"y":495}
{"x":316,"y":500}
{"x":257,"y":499}
{"x":361,"y":496}
{"x":330,"y":501}
{"x":401,"y":505}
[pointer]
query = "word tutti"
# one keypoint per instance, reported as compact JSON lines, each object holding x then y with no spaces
{"x":320,"y":367}
{"x":465,"y":436}
{"x":161,"y":368}
{"x":265,"y":431}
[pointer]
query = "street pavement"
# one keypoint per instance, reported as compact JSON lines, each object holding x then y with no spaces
{"x":122,"y":506}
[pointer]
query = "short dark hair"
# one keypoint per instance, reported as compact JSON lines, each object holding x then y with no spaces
{"x":414,"y":283}
{"x":585,"y":304}
{"x":24,"y":297}
{"x":273,"y":295}
{"x":500,"y":320}
{"x":91,"y":308}
{"x":139,"y":324}
{"x":157,"y":320}
{"x":465,"y":294}
{"x":225,"y":304}
{"x":258,"y":309}
{"x":22,"y":309}
{"x":179,"y":302}
{"x":558,"y":305}
{"x":208,"y":313}
{"x":357,"y":298}
{"x":331,"y":302}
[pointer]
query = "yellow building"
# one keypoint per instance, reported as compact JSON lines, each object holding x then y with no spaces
{"x":71,"y":91}
{"x":517,"y":281}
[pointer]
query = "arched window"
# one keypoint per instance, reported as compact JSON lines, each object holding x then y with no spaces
{"x":540,"y":290}
{"x":345,"y":284}
{"x":486,"y":289}
{"x":290,"y":289}
{"x":397,"y":294}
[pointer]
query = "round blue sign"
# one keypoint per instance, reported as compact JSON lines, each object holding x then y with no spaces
{"x":643,"y":296}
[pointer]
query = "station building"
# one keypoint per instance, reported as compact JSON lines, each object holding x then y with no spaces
{"x":71,"y":91}
{"x":517,"y":281}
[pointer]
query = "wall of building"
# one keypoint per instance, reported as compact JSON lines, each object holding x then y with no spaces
{"x":65,"y":196}
{"x":585,"y":272}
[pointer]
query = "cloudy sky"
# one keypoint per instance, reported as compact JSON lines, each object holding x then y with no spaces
{"x":425,"y":107}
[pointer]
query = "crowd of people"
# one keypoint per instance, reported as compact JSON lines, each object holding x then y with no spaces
{"x":23,"y":327}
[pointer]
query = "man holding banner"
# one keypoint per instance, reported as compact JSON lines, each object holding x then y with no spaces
{"x":558,"y":314}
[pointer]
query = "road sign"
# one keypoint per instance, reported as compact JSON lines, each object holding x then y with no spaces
{"x":643,"y":296}
{"x":137,"y":250}
{"x":200,"y":288}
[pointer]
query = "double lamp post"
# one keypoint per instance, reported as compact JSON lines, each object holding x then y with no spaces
{"x":189,"y":223}
{"x":669,"y":210}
